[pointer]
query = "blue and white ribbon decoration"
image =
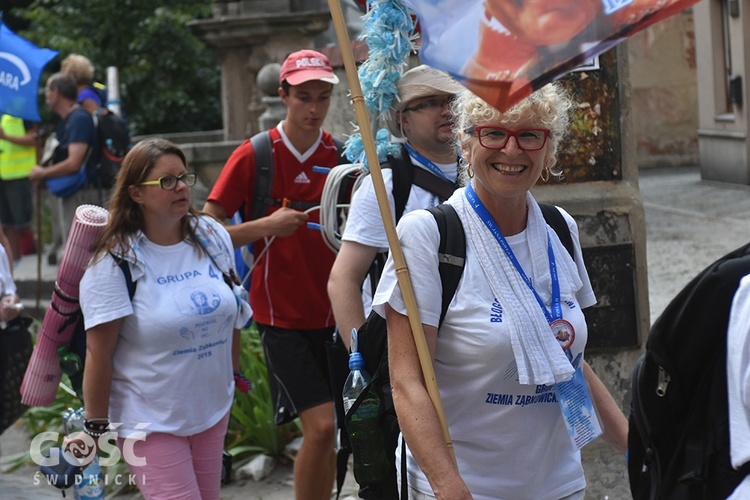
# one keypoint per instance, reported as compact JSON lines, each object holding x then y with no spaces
{"x":389,"y":34}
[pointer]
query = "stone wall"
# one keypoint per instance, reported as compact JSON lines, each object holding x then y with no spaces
{"x":665,"y":94}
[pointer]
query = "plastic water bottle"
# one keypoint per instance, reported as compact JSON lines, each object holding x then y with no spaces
{"x":91,"y":484}
{"x":358,"y":377}
{"x":371,"y":462}
{"x":72,"y":420}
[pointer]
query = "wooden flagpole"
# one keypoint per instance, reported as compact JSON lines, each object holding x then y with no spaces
{"x":402,"y":273}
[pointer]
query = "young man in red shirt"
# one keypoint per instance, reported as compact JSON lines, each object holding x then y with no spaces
{"x":288,"y":291}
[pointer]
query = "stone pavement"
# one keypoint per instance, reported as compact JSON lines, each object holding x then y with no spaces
{"x":689,"y":224}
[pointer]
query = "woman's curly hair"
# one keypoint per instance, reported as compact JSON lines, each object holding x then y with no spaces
{"x":548,"y":107}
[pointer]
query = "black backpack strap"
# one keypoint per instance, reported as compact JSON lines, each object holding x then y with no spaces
{"x":263,"y":150}
{"x":406,"y":174}
{"x":128,"y":279}
{"x":438,"y":186}
{"x":451,"y":252}
{"x":403,"y":176}
{"x":125,"y":268}
{"x":340,"y":147}
{"x":557,"y":222}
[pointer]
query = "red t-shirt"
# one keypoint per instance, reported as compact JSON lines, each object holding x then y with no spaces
{"x":289,"y":284}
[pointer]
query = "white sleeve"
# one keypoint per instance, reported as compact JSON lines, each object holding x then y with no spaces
{"x":104,"y":293}
{"x":364,"y":224}
{"x":420,"y":240}
{"x":7,"y":285}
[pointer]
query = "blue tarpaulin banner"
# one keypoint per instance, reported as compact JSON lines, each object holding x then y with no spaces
{"x":21,"y":64}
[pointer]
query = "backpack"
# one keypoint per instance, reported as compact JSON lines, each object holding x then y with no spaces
{"x":113,"y":141}
{"x":73,"y":360}
{"x":373,"y":344}
{"x":100,"y":90}
{"x":406,"y":175}
{"x":678,"y":440}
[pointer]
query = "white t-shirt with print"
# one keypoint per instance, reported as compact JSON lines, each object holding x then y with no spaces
{"x":172,"y":366}
{"x":510,"y":440}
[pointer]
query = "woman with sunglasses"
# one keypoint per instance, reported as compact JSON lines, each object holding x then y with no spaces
{"x":508,"y":355}
{"x":159,"y":368}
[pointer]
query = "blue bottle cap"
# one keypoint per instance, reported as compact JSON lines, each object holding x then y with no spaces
{"x":356,"y":361}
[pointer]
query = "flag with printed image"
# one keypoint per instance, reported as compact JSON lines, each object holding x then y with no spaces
{"x":21,"y":65}
{"x":503,"y":50}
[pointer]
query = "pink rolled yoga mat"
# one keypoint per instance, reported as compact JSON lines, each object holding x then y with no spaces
{"x":42,"y":377}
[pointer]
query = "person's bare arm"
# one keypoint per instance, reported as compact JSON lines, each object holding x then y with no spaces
{"x":344,"y":286}
{"x":282,"y":222}
{"x":70,"y":165}
{"x":28,"y":139}
{"x":101,"y":342}
{"x":416,"y":414}
{"x":614,"y":423}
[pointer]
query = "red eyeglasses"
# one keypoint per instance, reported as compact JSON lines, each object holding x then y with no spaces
{"x":528,"y":139}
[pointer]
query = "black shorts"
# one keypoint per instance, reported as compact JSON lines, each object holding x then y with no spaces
{"x":16,"y":208}
{"x":297,"y":366}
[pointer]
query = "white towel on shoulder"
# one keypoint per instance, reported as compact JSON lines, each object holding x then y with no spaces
{"x":539,"y":358}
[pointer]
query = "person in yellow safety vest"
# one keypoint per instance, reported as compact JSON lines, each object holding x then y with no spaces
{"x":18,"y":155}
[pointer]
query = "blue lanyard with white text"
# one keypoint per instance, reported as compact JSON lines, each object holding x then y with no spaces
{"x":429,"y":164}
{"x":484,"y":214}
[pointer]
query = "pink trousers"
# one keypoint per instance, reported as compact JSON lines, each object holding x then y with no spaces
{"x":180,"y":467}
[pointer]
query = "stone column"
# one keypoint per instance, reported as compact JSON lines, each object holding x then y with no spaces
{"x":248,"y":35}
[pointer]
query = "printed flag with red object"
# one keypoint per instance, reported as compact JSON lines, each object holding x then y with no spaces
{"x":502,"y":50}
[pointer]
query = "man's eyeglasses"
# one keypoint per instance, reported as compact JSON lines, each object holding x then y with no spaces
{"x":436,"y":103}
{"x":169,"y":182}
{"x":528,"y":139}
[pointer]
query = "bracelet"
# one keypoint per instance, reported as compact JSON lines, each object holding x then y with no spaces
{"x":95,"y":427}
{"x":242,"y":383}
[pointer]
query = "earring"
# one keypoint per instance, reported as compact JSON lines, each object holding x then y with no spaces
{"x":470,"y":171}
{"x":545,"y":174}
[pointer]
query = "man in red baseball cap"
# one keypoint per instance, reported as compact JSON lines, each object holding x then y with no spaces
{"x":288,"y":288}
{"x":306,"y":65}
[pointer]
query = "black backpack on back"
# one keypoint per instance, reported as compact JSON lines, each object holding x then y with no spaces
{"x":113,"y":139}
{"x":678,"y":441}
{"x":373,"y":344}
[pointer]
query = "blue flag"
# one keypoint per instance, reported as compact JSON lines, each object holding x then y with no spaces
{"x":21,"y":65}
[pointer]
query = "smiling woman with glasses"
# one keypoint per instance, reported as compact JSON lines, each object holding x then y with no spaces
{"x":509,"y":352}
{"x":165,"y":354}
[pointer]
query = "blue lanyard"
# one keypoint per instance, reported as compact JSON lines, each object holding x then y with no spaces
{"x":429,"y":164}
{"x":484,"y":214}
